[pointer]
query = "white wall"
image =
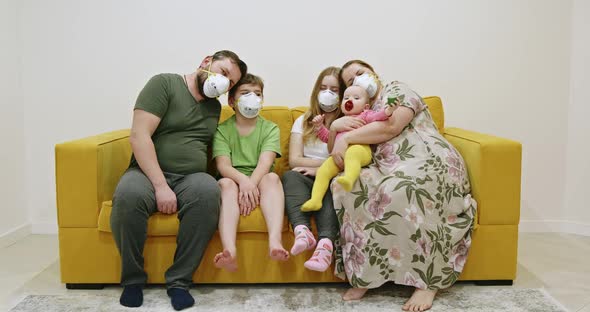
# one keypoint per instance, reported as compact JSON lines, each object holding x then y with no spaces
{"x":578,"y":152}
{"x":501,"y":67}
{"x":12,"y":142}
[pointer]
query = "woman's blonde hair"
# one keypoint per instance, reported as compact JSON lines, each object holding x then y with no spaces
{"x":314,"y":104}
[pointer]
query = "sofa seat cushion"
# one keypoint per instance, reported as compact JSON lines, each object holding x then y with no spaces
{"x":167,"y":225}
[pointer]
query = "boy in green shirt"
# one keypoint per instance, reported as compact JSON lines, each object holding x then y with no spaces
{"x":244,"y":148}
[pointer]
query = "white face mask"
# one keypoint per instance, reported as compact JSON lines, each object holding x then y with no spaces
{"x":215,"y":85}
{"x":368,"y":82}
{"x":249,"y":105}
{"x":328,"y":100}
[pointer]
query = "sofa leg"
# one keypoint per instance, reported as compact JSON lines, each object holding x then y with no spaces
{"x":84,"y":286}
{"x":494,"y":283}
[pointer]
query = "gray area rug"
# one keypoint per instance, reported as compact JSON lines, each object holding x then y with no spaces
{"x":299,"y":298}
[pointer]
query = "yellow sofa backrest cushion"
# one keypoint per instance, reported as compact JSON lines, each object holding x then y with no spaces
{"x":436,"y":111}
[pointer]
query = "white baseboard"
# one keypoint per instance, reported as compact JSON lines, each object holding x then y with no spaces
{"x":554,"y":226}
{"x":44,"y":228}
{"x":15,"y":234}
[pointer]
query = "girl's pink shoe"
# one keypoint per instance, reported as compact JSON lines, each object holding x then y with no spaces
{"x":322,"y":256}
{"x":304,"y":240}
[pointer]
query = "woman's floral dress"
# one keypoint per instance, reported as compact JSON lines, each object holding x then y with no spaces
{"x":409,"y":216}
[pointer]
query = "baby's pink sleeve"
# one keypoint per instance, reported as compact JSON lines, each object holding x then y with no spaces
{"x":323,"y":134}
{"x":370,"y":116}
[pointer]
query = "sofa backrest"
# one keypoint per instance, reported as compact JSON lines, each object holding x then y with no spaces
{"x":436,"y":111}
{"x":284,"y":116}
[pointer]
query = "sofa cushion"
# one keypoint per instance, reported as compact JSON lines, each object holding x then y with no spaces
{"x":167,"y":225}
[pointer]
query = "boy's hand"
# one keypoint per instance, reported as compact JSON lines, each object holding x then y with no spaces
{"x":165,"y":199}
{"x":318,"y":120}
{"x":248,"y":197}
{"x":307,"y":171}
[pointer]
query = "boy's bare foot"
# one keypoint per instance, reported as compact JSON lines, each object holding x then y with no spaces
{"x":278,"y":253}
{"x":354,"y":294}
{"x":421,"y":300}
{"x":224,"y":260}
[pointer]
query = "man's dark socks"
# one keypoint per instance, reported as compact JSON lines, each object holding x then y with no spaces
{"x":180,"y":298}
{"x":132,"y":296}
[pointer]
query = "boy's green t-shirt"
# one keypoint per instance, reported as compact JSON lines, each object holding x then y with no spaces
{"x":244,"y":151}
{"x":186,"y":127}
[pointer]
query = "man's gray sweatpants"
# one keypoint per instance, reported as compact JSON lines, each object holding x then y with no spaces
{"x":134,"y":201}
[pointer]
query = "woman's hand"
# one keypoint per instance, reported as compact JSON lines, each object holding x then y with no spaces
{"x":248,"y":197}
{"x":389,"y":110}
{"x":306,"y":171}
{"x":339,"y":150}
{"x":346,"y":123}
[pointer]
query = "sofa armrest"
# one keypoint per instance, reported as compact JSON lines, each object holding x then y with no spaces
{"x":86,"y":173}
{"x":494,"y":167}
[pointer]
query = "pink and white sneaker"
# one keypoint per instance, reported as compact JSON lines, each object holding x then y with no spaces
{"x":304,"y":240}
{"x":322,"y":256}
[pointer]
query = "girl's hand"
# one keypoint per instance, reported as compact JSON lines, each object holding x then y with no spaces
{"x":307,"y":171}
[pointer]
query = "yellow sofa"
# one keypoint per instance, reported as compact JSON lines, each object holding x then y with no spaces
{"x":87,"y":172}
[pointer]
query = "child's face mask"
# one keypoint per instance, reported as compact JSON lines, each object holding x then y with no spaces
{"x":249,"y":105}
{"x":368,"y":82}
{"x":328,"y":100}
{"x":215,"y":85}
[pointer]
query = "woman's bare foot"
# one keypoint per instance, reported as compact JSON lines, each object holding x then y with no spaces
{"x":421,"y":300}
{"x":225,"y":260}
{"x":354,"y":294}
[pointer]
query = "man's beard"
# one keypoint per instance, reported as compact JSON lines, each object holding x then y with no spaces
{"x":200,"y":81}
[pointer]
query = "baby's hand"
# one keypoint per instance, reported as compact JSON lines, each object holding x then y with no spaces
{"x":318,"y":120}
{"x":389,"y":109}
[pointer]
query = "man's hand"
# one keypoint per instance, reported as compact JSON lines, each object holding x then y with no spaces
{"x":307,"y":171}
{"x":346,"y":123}
{"x":165,"y":199}
{"x":248,"y":196}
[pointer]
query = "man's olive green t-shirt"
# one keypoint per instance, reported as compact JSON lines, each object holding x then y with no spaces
{"x":244,"y":151}
{"x":186,"y":127}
